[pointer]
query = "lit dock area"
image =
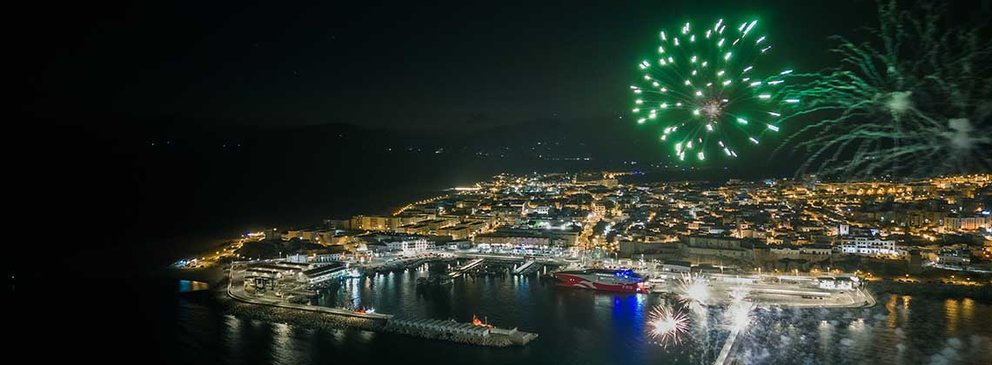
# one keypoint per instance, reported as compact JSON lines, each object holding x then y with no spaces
{"x":276,"y":308}
{"x":470,"y":265}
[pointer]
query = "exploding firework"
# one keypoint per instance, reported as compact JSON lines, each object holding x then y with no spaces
{"x":915,"y":100}
{"x":708,"y":91}
{"x":738,"y":315}
{"x":693,"y":290}
{"x":668,"y":325}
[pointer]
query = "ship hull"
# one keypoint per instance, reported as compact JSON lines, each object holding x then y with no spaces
{"x":583,"y":282}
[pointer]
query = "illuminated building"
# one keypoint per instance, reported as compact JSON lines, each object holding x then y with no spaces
{"x":868,"y":245}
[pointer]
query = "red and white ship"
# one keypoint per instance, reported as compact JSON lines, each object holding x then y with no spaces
{"x":623,"y":281}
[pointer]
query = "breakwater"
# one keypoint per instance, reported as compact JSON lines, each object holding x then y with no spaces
{"x":450,"y":330}
{"x":242,"y":305}
{"x":303,"y":318}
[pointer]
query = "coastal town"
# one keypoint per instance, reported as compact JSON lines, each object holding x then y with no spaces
{"x":797,"y":243}
{"x":934,"y":229}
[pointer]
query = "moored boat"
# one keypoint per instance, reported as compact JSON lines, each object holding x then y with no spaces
{"x":623,"y":281}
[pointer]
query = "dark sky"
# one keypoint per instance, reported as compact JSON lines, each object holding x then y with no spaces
{"x":98,"y":80}
{"x":389,"y":65}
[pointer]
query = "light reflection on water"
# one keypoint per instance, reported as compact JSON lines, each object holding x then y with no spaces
{"x":904,"y":330}
{"x":585,"y":327}
{"x":951,"y":315}
{"x":186,"y":286}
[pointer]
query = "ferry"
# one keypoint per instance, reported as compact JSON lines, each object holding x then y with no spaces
{"x":623,"y":280}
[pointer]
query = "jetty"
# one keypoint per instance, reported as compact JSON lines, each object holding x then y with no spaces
{"x":451,"y":330}
{"x":525,"y":267}
{"x":458,"y":271}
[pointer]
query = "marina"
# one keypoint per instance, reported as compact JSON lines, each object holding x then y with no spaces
{"x":283,"y":291}
{"x":276,"y":308}
{"x":526,"y":301}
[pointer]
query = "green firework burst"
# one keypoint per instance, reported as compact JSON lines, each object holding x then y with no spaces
{"x":708,"y":91}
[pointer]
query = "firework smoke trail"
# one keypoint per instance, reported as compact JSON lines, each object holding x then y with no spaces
{"x":917,"y":100}
{"x":738,"y":318}
{"x":710,"y":90}
{"x":668,"y":325}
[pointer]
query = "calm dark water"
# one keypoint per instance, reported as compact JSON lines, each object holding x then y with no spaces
{"x":581,"y":327}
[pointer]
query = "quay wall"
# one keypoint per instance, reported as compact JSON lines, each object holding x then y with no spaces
{"x":326,"y":318}
{"x":300,"y":317}
{"x":492,"y":340}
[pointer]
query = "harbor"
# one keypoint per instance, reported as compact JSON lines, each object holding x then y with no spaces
{"x":288,"y":292}
{"x":252,"y":303}
{"x":429,"y":318}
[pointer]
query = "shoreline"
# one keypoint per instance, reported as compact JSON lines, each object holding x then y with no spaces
{"x":980,"y":293}
{"x":215,"y":276}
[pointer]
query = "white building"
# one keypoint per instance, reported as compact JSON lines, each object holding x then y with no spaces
{"x":298,"y":258}
{"x":954,"y":256}
{"x":837,"y":283}
{"x":418,"y":245}
{"x":870,"y":245}
{"x":842,"y":230}
{"x":321,"y":274}
{"x":676,"y":266}
{"x":967,"y":223}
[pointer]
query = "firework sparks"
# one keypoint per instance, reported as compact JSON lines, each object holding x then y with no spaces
{"x":693,"y":290}
{"x":916,"y":100}
{"x":668,"y":325}
{"x":708,"y":90}
{"x":739,"y":315}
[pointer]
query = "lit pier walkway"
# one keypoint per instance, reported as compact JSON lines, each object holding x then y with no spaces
{"x":469,"y":266}
{"x":524,"y":267}
{"x":724,"y":358}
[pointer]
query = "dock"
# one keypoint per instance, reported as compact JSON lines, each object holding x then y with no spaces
{"x":458,"y":271}
{"x":524,"y":267}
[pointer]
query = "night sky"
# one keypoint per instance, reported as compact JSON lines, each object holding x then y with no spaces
{"x":358,"y":94}
{"x":383,"y":65}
